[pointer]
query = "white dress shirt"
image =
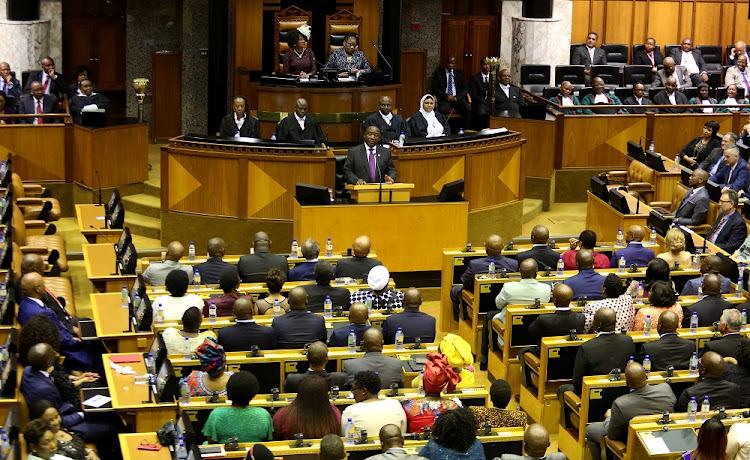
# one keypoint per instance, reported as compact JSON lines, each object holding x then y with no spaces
{"x":689,"y":62}
{"x":671,"y":99}
{"x":301,"y":121}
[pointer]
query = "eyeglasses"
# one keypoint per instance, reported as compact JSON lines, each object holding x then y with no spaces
{"x":725,"y":201}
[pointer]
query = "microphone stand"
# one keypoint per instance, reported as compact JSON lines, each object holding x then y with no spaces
{"x":151,"y":390}
{"x":106,"y":208}
{"x":446,"y":118}
{"x":386,"y":61}
{"x":117,"y":253}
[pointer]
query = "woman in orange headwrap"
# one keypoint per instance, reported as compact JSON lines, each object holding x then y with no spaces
{"x":421,"y":413}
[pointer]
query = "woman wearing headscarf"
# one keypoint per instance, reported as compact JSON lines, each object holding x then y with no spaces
{"x":427,"y":122}
{"x":422,"y":412}
{"x":458,"y":353}
{"x":213,"y":376}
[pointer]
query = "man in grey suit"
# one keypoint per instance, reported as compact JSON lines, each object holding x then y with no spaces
{"x":589,"y":54}
{"x":693,"y":208}
{"x":156,"y":273}
{"x":535,"y":444}
{"x":643,"y":399}
{"x":692,"y":60}
{"x":715,"y":160}
{"x":369,"y":162}
{"x":392,"y":445}
{"x":670,"y":69}
{"x":389,"y":369}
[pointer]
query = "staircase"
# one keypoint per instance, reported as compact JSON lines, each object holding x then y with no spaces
{"x":143,"y":211}
{"x":531,"y":209}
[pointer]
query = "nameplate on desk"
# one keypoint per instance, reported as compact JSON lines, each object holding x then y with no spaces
{"x":119,"y":359}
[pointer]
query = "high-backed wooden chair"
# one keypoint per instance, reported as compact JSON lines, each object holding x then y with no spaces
{"x":638,"y":179}
{"x":39,"y":244}
{"x":337,"y":26}
{"x":284,"y":22}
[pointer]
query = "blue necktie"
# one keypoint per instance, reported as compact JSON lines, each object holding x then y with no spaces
{"x":450,"y":83}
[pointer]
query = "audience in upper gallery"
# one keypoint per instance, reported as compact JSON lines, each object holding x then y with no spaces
{"x":588,"y":54}
{"x":6,"y":109}
{"x":544,"y":256}
{"x":412,"y":322}
{"x":614,"y":298}
{"x":389,"y":369}
{"x":322,"y":289}
{"x":254,"y":267}
{"x":310,"y":413}
{"x":566,"y":98}
{"x":599,"y":96}
{"x":213,"y":376}
{"x":739,"y":49}
{"x":428,"y":122}
{"x":671,"y":70}
{"x":649,"y":55}
{"x":454,"y":437}
{"x":214,"y":267}
{"x":317,"y":359}
{"x":737,"y":370}
{"x":586,"y":240}
{"x":710,"y":308}
{"x":712,"y":441}
{"x":692,"y":60}
{"x":175,"y":304}
{"x":674,"y":243}
{"x":449,"y":87}
{"x":438,"y":375}
{"x":458,"y":353}
{"x":370,"y":412}
{"x":240,"y":123}
{"x":87,"y":100}
{"x":275,"y":279}
{"x":669,"y":350}
{"x":738,"y":74}
{"x":730,"y":325}
{"x":175,"y":339}
{"x":634,"y":252}
{"x":697,"y":150}
{"x":298,"y":327}
{"x":703,"y":99}
{"x":358,"y":323}
{"x":69,"y":444}
{"x":638,"y":98}
{"x":720,"y":393}
{"x":306,"y":270}
{"x":586,"y":283}
{"x":230,"y":285}
{"x":39,"y":103}
{"x":498,"y":416}
{"x":662,"y":297}
{"x":359,"y":265}
{"x":735,"y":175}
{"x":244,"y":333}
{"x":563,"y":321}
{"x":156,"y":272}
{"x":670,"y":96}
{"x":380,"y":294}
{"x":9,"y":85}
{"x":738,"y":441}
{"x":710,"y":265}
{"x":392,"y":445}
{"x":240,"y":420}
{"x":535,"y":445}
{"x":732,"y":98}
{"x":730,"y":230}
{"x":51,"y":82}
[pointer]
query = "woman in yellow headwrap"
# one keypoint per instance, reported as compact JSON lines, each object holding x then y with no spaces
{"x":458,"y":353}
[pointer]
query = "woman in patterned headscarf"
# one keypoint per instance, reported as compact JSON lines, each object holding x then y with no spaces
{"x":438,"y":374}
{"x":458,"y":353}
{"x":213,"y":376}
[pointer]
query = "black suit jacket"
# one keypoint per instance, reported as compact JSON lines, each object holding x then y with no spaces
{"x":413,"y":323}
{"x":676,"y":54}
{"x":733,"y":233}
{"x":715,"y":155}
{"x":512,"y":102}
{"x":58,"y":86}
{"x":544,"y":256}
{"x":250,"y":128}
{"x":598,"y":356}
{"x":725,"y":345}
{"x":480,"y":94}
{"x":355,"y":267}
{"x":631,"y":100}
{"x":418,"y":125}
{"x":440,"y":82}
{"x":581,"y":57}
{"x":316,"y":295}
{"x":242,"y":336}
{"x":253,"y":267}
{"x":357,"y":165}
{"x":298,"y":327}
{"x":670,"y":349}
{"x":49,"y":105}
{"x":709,"y":310}
{"x":212,"y":269}
{"x":693,"y":209}
{"x":720,"y":394}
{"x":387,"y":132}
{"x":288,"y":130}
{"x":482,"y":265}
{"x":77,"y":103}
{"x":640,"y":58}
{"x":291,"y":384}
{"x":558,"y":323}
{"x":661,"y":98}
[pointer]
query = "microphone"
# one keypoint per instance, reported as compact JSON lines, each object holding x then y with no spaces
{"x":445,"y":125}
{"x":100,"y":187}
{"x":638,"y":203}
{"x":117,"y":252}
{"x":384,"y":59}
{"x":645,"y":146}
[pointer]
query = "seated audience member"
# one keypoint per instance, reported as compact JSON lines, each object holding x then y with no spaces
{"x":737,"y":370}
{"x":731,"y":99}
{"x":670,"y":96}
{"x":299,"y":60}
{"x":586,"y":283}
{"x":51,"y":82}
{"x":692,"y":60}
{"x":649,"y":55}
{"x":176,"y":302}
{"x":428,"y":122}
{"x":332,"y":448}
{"x":275,"y":279}
{"x":305,"y":271}
{"x":729,"y":230}
{"x":358,"y":322}
{"x":544,"y":256}
{"x":40,"y":442}
{"x":599,"y":96}
{"x":412,"y":322}
{"x":639,"y":99}
{"x":742,"y":255}
{"x":450,"y":88}
{"x":369,"y":162}
{"x":310,"y":413}
{"x":388,"y":369}
{"x":246,"y":423}
{"x":712,"y":441}
{"x":643,"y":399}
{"x":671,"y":70}
{"x":299,"y":126}
{"x":317,"y":359}
{"x":710,"y":265}
{"x":254,"y":267}
{"x":212,"y":269}
{"x":710,"y":308}
{"x":391,"y":125}
{"x":9,"y":85}
{"x":498,"y":416}
{"x":392,"y":445}
{"x":39,"y":103}
{"x":454,"y":437}
{"x":175,"y":339}
{"x":738,"y":74}
{"x":535,"y":445}
{"x":348,"y":60}
{"x":298,"y":327}
{"x":317,"y":293}
{"x":674,"y":243}
{"x":566,"y":98}
{"x":34,"y":263}
{"x":381,"y":294}
{"x":692,"y":210}
{"x":458,"y":353}
{"x":359,"y":265}
{"x":634,"y":252}
{"x":614,"y":298}
{"x":213,"y":376}
{"x":740,"y":49}
{"x":6,"y":109}
{"x":230,"y":285}
{"x":156,"y":272}
{"x":703,"y":99}
{"x":370,"y":412}
{"x":438,"y":374}
{"x":697,"y":150}
{"x":670,"y":349}
{"x":721,"y":393}
{"x":730,"y":325}
{"x":81,"y":72}
{"x":586,"y":240}
{"x":656,"y":270}
{"x":734,"y":176}
{"x":662,"y":297}
{"x":87,"y":100}
{"x":715,"y":160}
{"x":239,"y":123}
{"x":68,"y":443}
{"x":261,"y":452}
{"x":244,"y":333}
{"x":588,"y":54}
{"x":507,"y":96}
{"x":738,"y":441}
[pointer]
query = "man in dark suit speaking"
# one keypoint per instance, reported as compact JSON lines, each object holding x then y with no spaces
{"x":369,"y":162}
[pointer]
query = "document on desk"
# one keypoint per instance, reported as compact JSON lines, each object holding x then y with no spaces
{"x":97,"y":401}
{"x":655,"y":446}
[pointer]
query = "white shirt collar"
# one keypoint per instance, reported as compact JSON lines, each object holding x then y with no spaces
{"x":387,"y":118}
{"x":245,"y":321}
{"x":601,"y":98}
{"x":39,"y":301}
{"x":671,"y":98}
{"x":301,"y":121}
{"x":638,"y":100}
{"x":605,"y":333}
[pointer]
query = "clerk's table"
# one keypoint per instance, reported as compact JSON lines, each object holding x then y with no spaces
{"x":92,"y":215}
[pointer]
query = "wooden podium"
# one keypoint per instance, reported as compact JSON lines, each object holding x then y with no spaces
{"x":381,"y":193}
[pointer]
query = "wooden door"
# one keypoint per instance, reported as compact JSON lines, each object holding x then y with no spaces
{"x":453,"y":41}
{"x":166,"y":94}
{"x":482,"y":42}
{"x":78,"y":37}
{"x":108,"y":53}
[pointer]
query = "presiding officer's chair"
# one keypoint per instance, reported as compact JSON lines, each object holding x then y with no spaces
{"x":284,"y":22}
{"x":337,"y":26}
{"x":638,"y":179}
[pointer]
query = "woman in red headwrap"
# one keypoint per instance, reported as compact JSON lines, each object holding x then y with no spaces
{"x":421,"y":413}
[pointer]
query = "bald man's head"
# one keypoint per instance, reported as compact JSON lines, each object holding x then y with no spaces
{"x":358,"y":313}
{"x":562,"y":294}
{"x":711,"y":264}
{"x":372,"y":340}
{"x":390,"y":436}
{"x":668,"y":322}
{"x":635,"y":375}
{"x":528,"y":268}
{"x":261,"y":240}
{"x":317,"y":356}
{"x":494,"y":245}
{"x":412,"y":298}
{"x":298,"y":299}
{"x":711,"y":365}
{"x":41,"y":357}
{"x":584,"y":259}
{"x":175,"y":251}
{"x":711,"y":284}
{"x":361,"y":246}
{"x":216,"y":247}
{"x":536,"y":440}
{"x":539,"y":234}
{"x":32,"y":263}
{"x":243,"y":308}
{"x":32,"y":285}
{"x":604,"y":320}
{"x":635,"y":233}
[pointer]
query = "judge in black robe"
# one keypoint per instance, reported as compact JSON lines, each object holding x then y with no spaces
{"x":290,"y":130}
{"x":428,"y":122}
{"x":391,"y":125}
{"x":250,"y":126}
{"x":88,"y":97}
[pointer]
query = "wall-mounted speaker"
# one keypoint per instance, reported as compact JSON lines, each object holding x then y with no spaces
{"x":537,"y":9}
{"x":23,"y":10}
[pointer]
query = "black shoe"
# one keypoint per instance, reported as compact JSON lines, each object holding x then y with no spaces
{"x":483,"y":366}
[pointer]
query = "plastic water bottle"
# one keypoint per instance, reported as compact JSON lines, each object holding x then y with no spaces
{"x":460,"y":131}
{"x":273,"y":136}
{"x":351,"y":342}
{"x":276,"y":308}
{"x":399,"y":339}
{"x":738,"y":289}
{"x":744,"y":318}
{"x":420,"y":390}
{"x":182,"y":452}
{"x":191,"y":252}
{"x":136,"y":301}
{"x":700,"y":292}
{"x":694,"y":323}
{"x":560,"y":267}
{"x":630,"y":361}
{"x":349,"y":432}
{"x":160,"y":314}
{"x":401,"y":139}
{"x":677,"y":162}
{"x":368,"y":303}
{"x":187,"y":350}
{"x":652,"y":238}
{"x":697,"y":261}
{"x":327,"y":308}
{"x":4,"y":357}
{"x":150,"y":363}
{"x":4,"y":444}
{"x":295,"y":248}
{"x":621,"y":265}
{"x":491,"y":271}
{"x":184,"y":392}
{"x":3,"y":291}
{"x":647,"y":365}
{"x":647,"y":326}
{"x":212,"y":312}
{"x":620,"y":238}
{"x":705,"y":409}
{"x":742,"y":271}
{"x":329,"y":248}
{"x":692,"y":410}
{"x":651,"y":148}
{"x":124,"y":297}
{"x":639,"y":292}
{"x":693,"y":365}
{"x":197,"y":280}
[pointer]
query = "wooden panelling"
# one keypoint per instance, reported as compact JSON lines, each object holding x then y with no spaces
{"x":494,"y":176}
{"x":673,"y":132}
{"x":369,"y":10}
{"x":166,"y":94}
{"x":706,"y":23}
{"x":539,"y":151}
{"x":580,"y":21}
{"x":430,"y":174}
{"x":248,"y":34}
{"x":618,"y":31}
{"x":599,"y":140}
{"x":204,"y":184}
{"x":414,"y":78}
{"x":39,"y":150}
{"x":119,"y":153}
